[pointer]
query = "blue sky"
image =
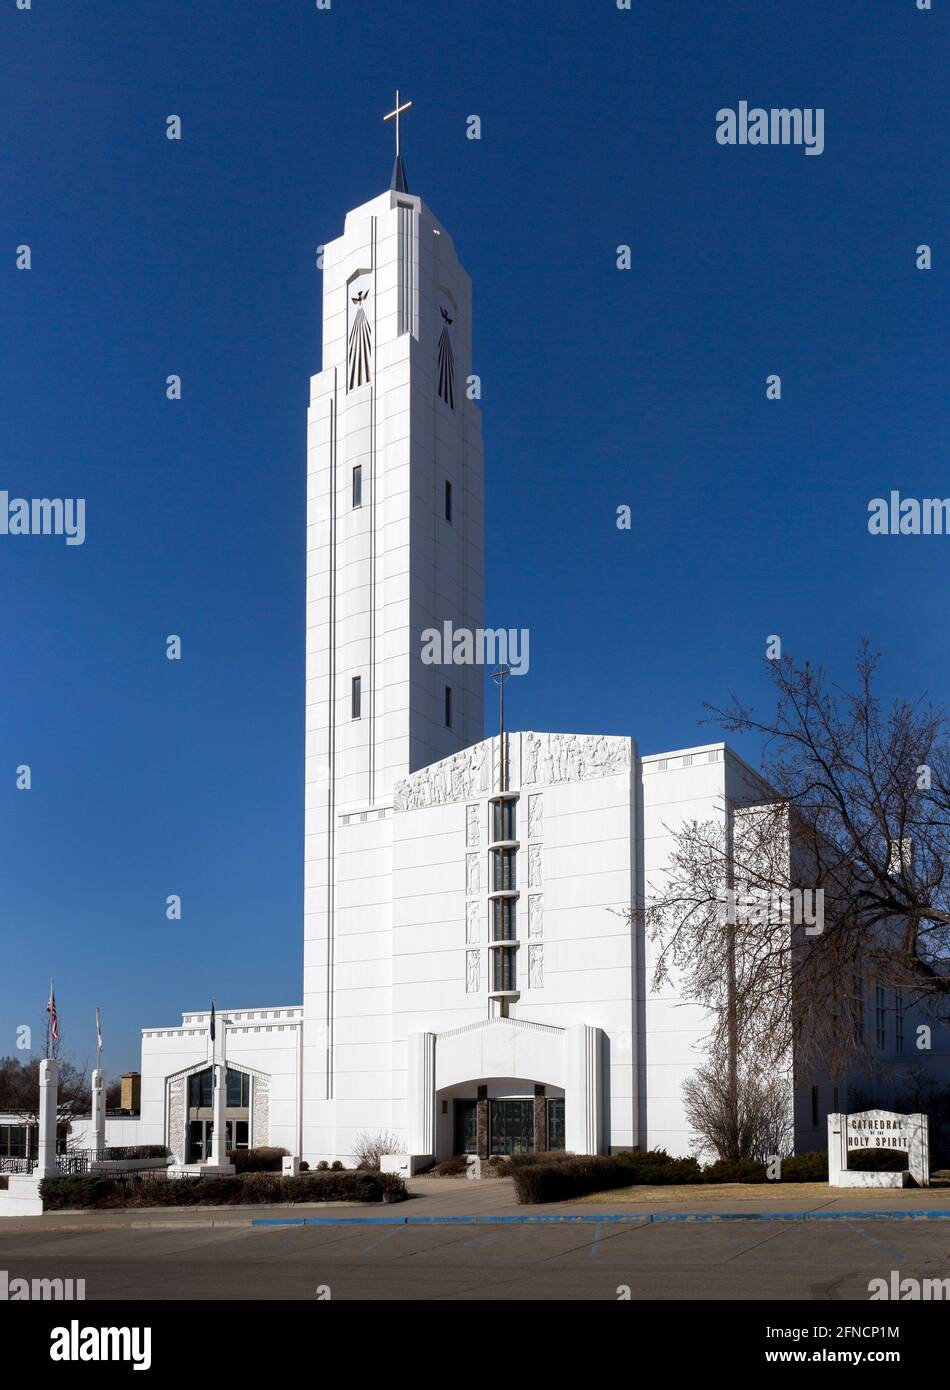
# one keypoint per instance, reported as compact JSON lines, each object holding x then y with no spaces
{"x":600,"y":388}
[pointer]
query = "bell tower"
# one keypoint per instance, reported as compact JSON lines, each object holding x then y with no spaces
{"x":394,"y":543}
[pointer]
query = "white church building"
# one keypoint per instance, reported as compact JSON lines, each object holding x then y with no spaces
{"x":471,"y":978}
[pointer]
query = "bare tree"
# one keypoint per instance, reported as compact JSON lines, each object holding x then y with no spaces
{"x":743,"y":1116}
{"x":854,"y":804}
{"x":368,"y":1149}
{"x":20,"y":1090}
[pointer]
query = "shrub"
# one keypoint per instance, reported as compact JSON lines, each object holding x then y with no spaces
{"x":513,"y":1161}
{"x":368,"y":1149}
{"x":98,"y":1190}
{"x":131,"y":1152}
{"x":451,"y":1167}
{"x":259,"y":1160}
{"x":811,"y":1167}
{"x":323,"y":1166}
{"x":80,"y":1190}
{"x":736,"y":1170}
{"x":877,"y":1160}
{"x":336,"y":1166}
{"x":304,"y":1166}
{"x":655,"y":1167}
{"x":572,"y":1177}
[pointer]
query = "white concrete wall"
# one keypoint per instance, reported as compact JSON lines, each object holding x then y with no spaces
{"x":377,"y":576}
{"x":677,"y":787}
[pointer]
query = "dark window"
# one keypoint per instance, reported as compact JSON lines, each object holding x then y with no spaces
{"x":448,"y":707}
{"x":201,"y":1090}
{"x":356,"y":696}
{"x":448,"y":500}
{"x":239,"y":1090}
{"x":511,"y":1123}
{"x":880,"y":1019}
{"x":13,"y":1141}
{"x":503,"y":919}
{"x":358,"y":486}
{"x":503,"y":969}
{"x":555,"y":1124}
{"x":466,"y":1132}
{"x":504,"y":869}
{"x":503,"y":820}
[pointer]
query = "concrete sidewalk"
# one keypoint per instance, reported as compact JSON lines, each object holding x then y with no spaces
{"x":491,"y":1200}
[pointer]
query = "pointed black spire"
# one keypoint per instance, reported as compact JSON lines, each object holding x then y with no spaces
{"x":398,"y":181}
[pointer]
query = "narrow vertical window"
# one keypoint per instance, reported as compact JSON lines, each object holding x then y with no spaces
{"x":358,"y":485}
{"x":448,"y":501}
{"x":899,"y":1020}
{"x":880,"y":1023}
{"x":356,"y":696}
{"x":448,"y":707}
{"x":814,"y":1107}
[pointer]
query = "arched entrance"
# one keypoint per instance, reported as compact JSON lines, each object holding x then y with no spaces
{"x":499,"y":1117}
{"x":493,"y":1064}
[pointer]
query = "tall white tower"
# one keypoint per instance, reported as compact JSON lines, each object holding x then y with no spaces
{"x":395,"y":546}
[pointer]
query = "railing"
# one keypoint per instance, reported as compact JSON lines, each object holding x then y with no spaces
{"x":128,"y":1153}
{"x":74,"y":1161}
{"x":9,"y":1164}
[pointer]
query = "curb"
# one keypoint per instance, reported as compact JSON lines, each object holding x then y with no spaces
{"x":583,"y":1219}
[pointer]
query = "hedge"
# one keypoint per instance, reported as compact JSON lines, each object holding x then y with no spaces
{"x":101,"y":1190}
{"x":259,"y":1160}
{"x":561,"y":1177}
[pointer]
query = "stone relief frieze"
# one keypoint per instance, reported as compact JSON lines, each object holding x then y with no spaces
{"x":453,"y":779}
{"x":545,"y":758}
{"x":550,"y":758}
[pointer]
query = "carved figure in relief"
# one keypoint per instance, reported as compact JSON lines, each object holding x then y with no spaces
{"x":531,"y":758}
{"x":472,"y":875}
{"x":472,"y":972}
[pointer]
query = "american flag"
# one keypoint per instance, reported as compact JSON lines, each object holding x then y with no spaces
{"x":53,"y":1015}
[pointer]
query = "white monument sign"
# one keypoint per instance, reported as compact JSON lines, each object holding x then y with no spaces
{"x":878,"y":1129}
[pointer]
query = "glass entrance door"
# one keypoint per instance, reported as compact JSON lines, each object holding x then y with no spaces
{"x":511,"y":1126}
{"x":466,"y":1134}
{"x":555,"y":1124}
{"x":199,"y":1140}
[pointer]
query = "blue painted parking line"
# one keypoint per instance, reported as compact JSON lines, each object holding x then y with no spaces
{"x":581,"y":1219}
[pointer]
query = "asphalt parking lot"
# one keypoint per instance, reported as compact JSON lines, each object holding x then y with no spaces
{"x":741,"y":1260}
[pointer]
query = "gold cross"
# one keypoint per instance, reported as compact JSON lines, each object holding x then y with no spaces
{"x":397,"y":113}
